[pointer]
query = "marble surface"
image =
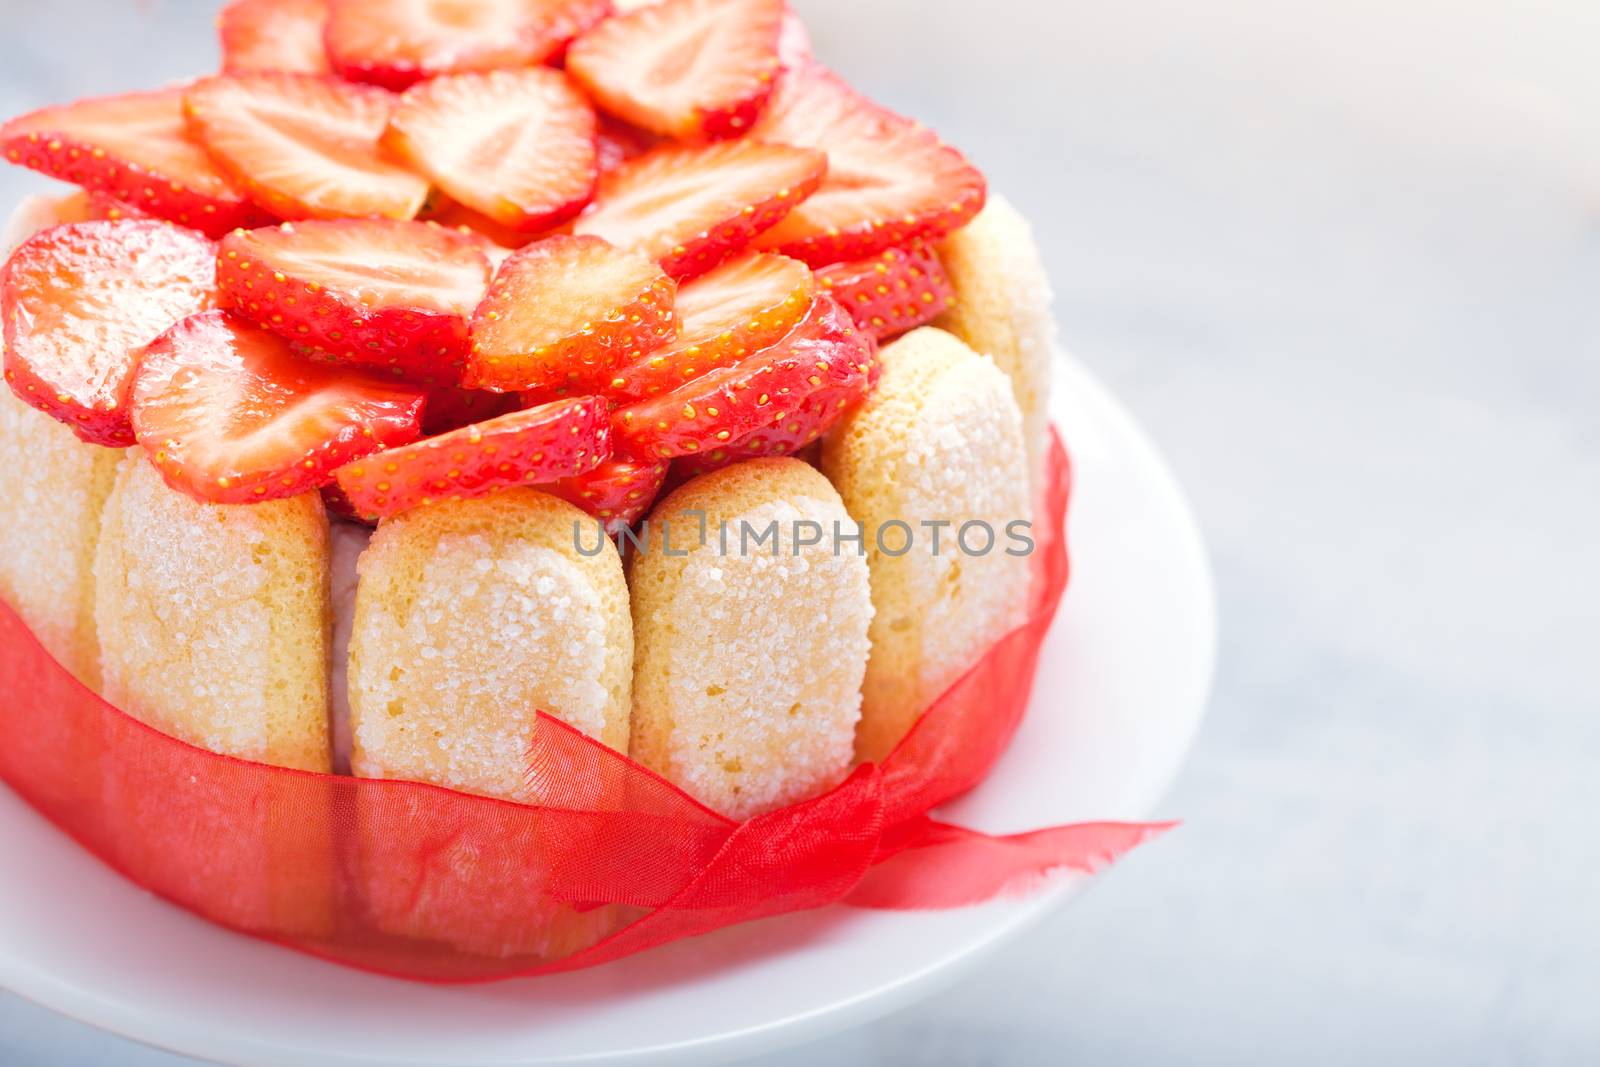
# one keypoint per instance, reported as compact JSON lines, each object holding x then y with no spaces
{"x":1342,"y":261}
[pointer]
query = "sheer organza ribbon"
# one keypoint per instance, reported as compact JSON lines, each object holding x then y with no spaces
{"x":606,"y":858}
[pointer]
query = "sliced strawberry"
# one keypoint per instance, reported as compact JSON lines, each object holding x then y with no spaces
{"x":825,"y":353}
{"x":785,"y":436}
{"x":273,"y":35}
{"x":339,"y":505}
{"x":691,"y":208}
{"x":617,"y":142}
{"x":890,"y":181}
{"x":515,"y":145}
{"x":305,"y":147}
{"x":683,"y":68}
{"x":535,"y":446}
{"x":618,"y":492}
{"x":135,"y":148}
{"x":395,"y":43}
{"x":99,"y":205}
{"x":80,"y":301}
{"x":563,"y":313}
{"x":724,"y":315}
{"x":891,"y":292}
{"x":230,"y":415}
{"x":376,"y":293}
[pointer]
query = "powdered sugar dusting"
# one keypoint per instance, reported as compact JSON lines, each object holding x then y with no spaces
{"x":494,"y":633}
{"x":761,"y":692}
{"x":184,"y":629}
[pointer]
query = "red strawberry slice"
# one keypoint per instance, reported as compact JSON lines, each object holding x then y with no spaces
{"x":79,"y":303}
{"x":535,"y":446}
{"x":891,"y":292}
{"x":454,"y":407}
{"x":515,"y":145}
{"x":794,"y":43}
{"x":497,"y":240}
{"x":230,"y":415}
{"x":305,"y":147}
{"x":386,"y":295}
{"x":618,"y":492}
{"x":135,"y":148}
{"x":273,"y":35}
{"x":563,"y":313}
{"x":823,"y":354}
{"x":395,"y":43}
{"x":890,"y":181}
{"x":98,"y":205}
{"x":691,"y":208}
{"x":683,"y":68}
{"x":731,"y":312}
{"x":798,"y":429}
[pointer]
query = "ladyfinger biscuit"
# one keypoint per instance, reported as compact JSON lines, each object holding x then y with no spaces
{"x":1002,"y":310}
{"x":751,"y":649}
{"x":936,"y":447}
{"x":214,"y":619}
{"x":213,"y":623}
{"x":471,"y":616}
{"x":56,"y":487}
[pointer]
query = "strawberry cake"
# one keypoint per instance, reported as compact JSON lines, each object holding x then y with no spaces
{"x":382,"y":388}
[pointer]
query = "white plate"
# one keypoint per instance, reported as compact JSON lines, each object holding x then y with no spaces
{"x":1120,"y":691}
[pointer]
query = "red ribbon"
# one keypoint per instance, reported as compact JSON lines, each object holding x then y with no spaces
{"x":607,"y":859}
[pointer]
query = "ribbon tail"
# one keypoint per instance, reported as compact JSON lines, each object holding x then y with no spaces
{"x":927,"y":864}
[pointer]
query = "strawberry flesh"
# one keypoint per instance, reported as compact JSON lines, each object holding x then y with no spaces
{"x":304,"y":147}
{"x":79,"y":303}
{"x":536,"y":446}
{"x":230,"y":415}
{"x":725,"y":315}
{"x":891,"y":292}
{"x":515,"y":146}
{"x":273,"y":35}
{"x":396,"y":43}
{"x":135,"y":148}
{"x":563,"y":313}
{"x":618,"y":492}
{"x":688,"y":69}
{"x":376,"y":293}
{"x":690,"y":208}
{"x":822,"y":356}
{"x":890,"y":180}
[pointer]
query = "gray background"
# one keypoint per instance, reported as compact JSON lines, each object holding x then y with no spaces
{"x":1342,"y":261}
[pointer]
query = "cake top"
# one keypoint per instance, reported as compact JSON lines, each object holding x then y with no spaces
{"x":399,"y":257}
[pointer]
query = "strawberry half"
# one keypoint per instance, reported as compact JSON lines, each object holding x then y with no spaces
{"x":891,"y":292}
{"x":273,"y":35}
{"x":535,"y":446}
{"x":230,"y":415}
{"x":79,"y":303}
{"x":683,"y":68}
{"x":890,"y":180}
{"x":515,"y":145}
{"x":823,"y":355}
{"x":137,"y":149}
{"x":691,"y":208}
{"x":563,"y":313}
{"x":395,"y":43}
{"x":304,"y":147}
{"x":376,"y":293}
{"x":618,"y":491}
{"x":726,"y":314}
